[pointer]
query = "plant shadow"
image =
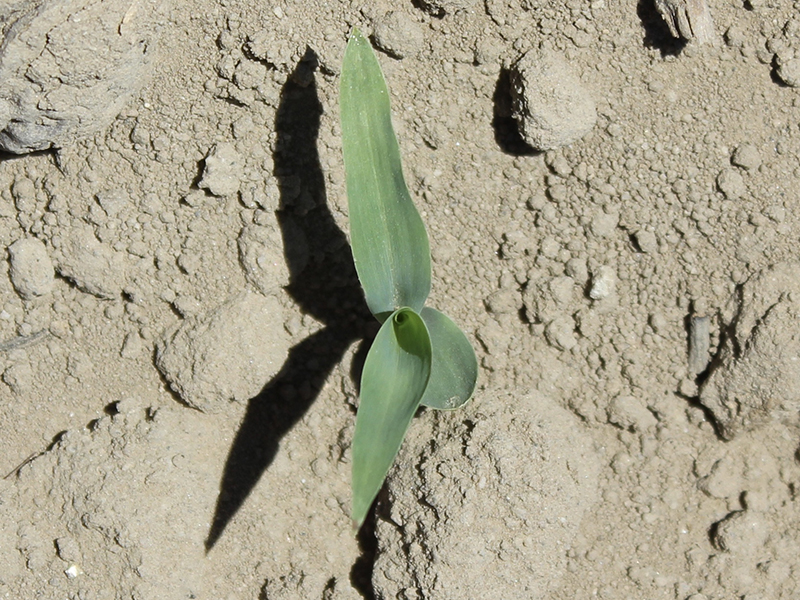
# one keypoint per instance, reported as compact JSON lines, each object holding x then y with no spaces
{"x":325,"y":286}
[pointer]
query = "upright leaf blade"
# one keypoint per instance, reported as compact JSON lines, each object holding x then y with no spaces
{"x":395,"y":375}
{"x":454,"y":368}
{"x":388,"y":237}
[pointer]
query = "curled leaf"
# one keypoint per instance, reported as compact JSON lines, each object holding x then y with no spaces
{"x":454,"y":367}
{"x":395,"y":376}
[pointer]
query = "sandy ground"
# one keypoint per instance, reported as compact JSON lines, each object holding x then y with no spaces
{"x":181,"y":328}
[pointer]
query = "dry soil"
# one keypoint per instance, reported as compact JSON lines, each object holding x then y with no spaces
{"x":181,"y":328}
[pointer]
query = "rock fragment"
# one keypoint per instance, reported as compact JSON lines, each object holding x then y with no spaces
{"x":54,"y":85}
{"x":687,"y":19}
{"x":222,"y":170}
{"x":31,"y":270}
{"x":229,"y":353}
{"x":551,"y":106}
{"x":699,"y":344}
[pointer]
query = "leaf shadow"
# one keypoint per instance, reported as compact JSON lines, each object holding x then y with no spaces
{"x":324,"y":285}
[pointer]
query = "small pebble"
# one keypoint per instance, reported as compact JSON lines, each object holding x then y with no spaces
{"x":560,"y":332}
{"x":630,"y":412}
{"x":576,"y":269}
{"x":73,"y":571}
{"x":503,"y":302}
{"x":647,"y":242}
{"x":789,"y":72}
{"x":604,"y":283}
{"x":132,"y":346}
{"x":742,"y":533}
{"x":731,"y":184}
{"x":699,"y":344}
{"x":747,"y":157}
{"x":32,"y":272}
{"x":68,"y":549}
{"x":603,"y":225}
{"x":222,"y":172}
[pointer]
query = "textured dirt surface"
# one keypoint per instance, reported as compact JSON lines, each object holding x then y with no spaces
{"x":181,"y":328}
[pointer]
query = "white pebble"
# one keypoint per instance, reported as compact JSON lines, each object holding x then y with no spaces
{"x":604,"y":283}
{"x":73,"y":571}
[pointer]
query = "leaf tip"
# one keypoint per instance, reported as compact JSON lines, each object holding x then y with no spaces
{"x":358,"y":516}
{"x":355,"y":35}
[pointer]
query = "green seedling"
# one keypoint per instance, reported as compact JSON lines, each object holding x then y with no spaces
{"x":419,"y":355}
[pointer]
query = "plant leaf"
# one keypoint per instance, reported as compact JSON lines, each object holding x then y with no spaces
{"x":454,"y":368}
{"x":395,"y":375}
{"x":388,"y":237}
